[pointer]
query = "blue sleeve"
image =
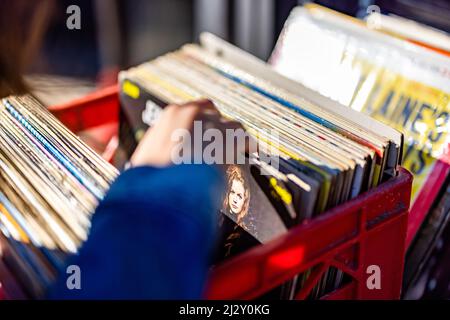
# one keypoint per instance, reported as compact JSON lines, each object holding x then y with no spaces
{"x":151,"y":237}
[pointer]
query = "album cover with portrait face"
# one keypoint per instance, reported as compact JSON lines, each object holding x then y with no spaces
{"x":247,"y":217}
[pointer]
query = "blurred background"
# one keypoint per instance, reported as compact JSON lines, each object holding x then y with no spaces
{"x":116,"y":34}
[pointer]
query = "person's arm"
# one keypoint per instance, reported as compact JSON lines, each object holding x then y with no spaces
{"x":151,"y":237}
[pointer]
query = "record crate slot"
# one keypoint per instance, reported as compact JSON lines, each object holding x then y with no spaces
{"x":368,"y":231}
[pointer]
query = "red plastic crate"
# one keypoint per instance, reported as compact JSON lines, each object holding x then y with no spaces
{"x":97,"y":114}
{"x":369,"y":230}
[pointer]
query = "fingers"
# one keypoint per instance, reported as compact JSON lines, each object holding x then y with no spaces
{"x":203,"y":104}
{"x":157,"y":145}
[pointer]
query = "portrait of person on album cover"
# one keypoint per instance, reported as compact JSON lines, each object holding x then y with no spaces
{"x":236,"y":207}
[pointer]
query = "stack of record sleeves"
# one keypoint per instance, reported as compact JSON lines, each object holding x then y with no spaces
{"x":326,"y":155}
{"x":50,"y":184}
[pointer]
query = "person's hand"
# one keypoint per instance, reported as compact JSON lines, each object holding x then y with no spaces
{"x":159,"y":144}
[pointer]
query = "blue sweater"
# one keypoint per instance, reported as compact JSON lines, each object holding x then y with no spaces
{"x":151,"y":237}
